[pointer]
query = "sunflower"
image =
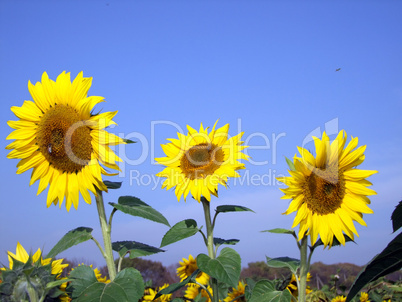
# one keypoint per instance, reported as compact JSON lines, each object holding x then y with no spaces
{"x":198,"y":162}
{"x":62,"y":140}
{"x":292,"y":285}
{"x":150,"y":294}
{"x":327,"y":192}
{"x":339,"y":299}
{"x":236,"y":292}
{"x":21,"y":255}
{"x":364,"y":297}
{"x":193,"y":291}
{"x":187,"y":267}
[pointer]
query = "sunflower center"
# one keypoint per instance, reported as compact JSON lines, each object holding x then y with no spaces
{"x":201,"y":160}
{"x":324,"y":190}
{"x":64,"y":139}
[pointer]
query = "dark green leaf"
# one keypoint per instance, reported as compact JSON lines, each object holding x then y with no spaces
{"x":179,"y":231}
{"x":134,"y":206}
{"x":128,"y":141}
{"x":70,"y":239}
{"x":264,"y":291}
{"x":280,"y":231}
{"x":136,"y":249}
{"x":112,"y":184}
{"x":335,"y":241}
{"x":286,"y":262}
{"x":388,"y":261}
{"x":396,"y":217}
{"x":225,"y":268}
{"x":127,"y":286}
{"x":219,"y":241}
{"x":232,"y":208}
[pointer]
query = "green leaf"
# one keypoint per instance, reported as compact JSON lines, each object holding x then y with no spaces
{"x":57,"y":283}
{"x":280,"y":231}
{"x":335,"y":241}
{"x":112,"y":184}
{"x":232,"y":208}
{"x":135,"y":207}
{"x":128,"y":141}
{"x":218,"y":241}
{"x":290,"y":164}
{"x":127,"y":286}
{"x":179,"y":231}
{"x":70,"y":239}
{"x":388,"y":261}
{"x":396,"y":217}
{"x":284,"y":262}
{"x":225,"y":268}
{"x":264,"y":291}
{"x":136,"y":249}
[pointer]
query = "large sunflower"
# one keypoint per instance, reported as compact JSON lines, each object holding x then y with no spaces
{"x":197,"y":162}
{"x":62,"y":140}
{"x":327,"y":192}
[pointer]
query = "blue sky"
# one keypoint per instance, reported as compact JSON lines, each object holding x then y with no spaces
{"x":265,"y":67}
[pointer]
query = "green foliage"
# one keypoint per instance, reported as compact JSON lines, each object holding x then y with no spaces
{"x":112,"y":184}
{"x":317,"y":296}
{"x":225,"y":268}
{"x":282,"y":262}
{"x":232,"y":208}
{"x":135,"y":207}
{"x":180,"y":231}
{"x":129,"y":141}
{"x":396,"y":217}
{"x":218,"y":241}
{"x":135,"y":249}
{"x":335,"y":241}
{"x":290,"y":164}
{"x":281,"y":231}
{"x":70,"y":239}
{"x":127,"y":286}
{"x":176,"y":286}
{"x":265,"y":291}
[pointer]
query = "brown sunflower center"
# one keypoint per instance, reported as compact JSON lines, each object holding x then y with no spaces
{"x":324,"y":190}
{"x":201,"y":160}
{"x":64,"y":139}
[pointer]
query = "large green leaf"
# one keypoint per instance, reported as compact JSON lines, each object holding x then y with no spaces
{"x":284,"y":262}
{"x":136,"y":249}
{"x":134,"y":206}
{"x":280,"y":231}
{"x":70,"y":239}
{"x":127,"y":286}
{"x":388,"y":261}
{"x":396,"y":217}
{"x":264,"y":291}
{"x":225,"y":268}
{"x":179,"y":231}
{"x":232,"y":208}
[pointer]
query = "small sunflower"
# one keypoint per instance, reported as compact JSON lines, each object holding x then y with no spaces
{"x":364,"y":297}
{"x":237,"y":292}
{"x":292,"y":286}
{"x":193,"y":291}
{"x":327,"y":192}
{"x":187,"y":267}
{"x":64,"y":142}
{"x":339,"y":299}
{"x":22,"y":256}
{"x":197,"y":162}
{"x":150,"y":294}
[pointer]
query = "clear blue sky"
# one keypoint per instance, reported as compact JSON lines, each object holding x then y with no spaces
{"x":265,"y":67}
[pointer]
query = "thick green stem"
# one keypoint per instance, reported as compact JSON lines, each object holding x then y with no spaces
{"x":210,"y":244}
{"x":106,"y":231}
{"x":303,"y":269}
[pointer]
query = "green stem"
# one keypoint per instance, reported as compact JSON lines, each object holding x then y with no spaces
{"x":303,"y":269}
{"x":106,"y":231}
{"x":210,"y":244}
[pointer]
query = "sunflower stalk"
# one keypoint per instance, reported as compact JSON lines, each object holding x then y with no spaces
{"x":106,"y":233}
{"x":210,"y":244}
{"x":304,"y":267}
